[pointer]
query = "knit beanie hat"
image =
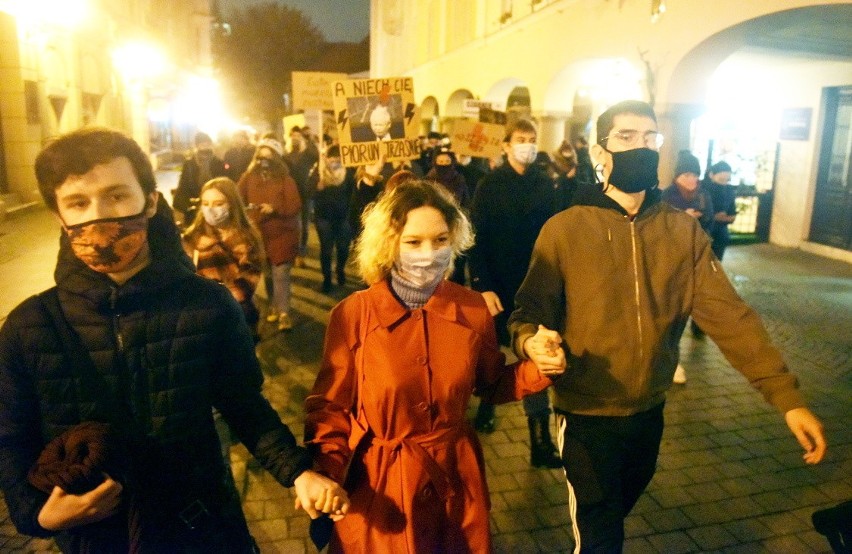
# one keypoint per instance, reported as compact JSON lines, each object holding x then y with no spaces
{"x":687,"y":163}
{"x":272,"y":144}
{"x":720,"y":167}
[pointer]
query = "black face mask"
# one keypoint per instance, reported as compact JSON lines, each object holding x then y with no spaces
{"x":444,"y":170}
{"x":635,"y":170}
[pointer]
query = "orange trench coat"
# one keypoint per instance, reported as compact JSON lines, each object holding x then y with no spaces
{"x":393,"y":386}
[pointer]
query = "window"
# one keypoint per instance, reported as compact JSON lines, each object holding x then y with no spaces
{"x":31,"y":101}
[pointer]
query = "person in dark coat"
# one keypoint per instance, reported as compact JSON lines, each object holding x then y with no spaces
{"x":131,"y":336}
{"x":686,"y":193}
{"x":445,"y":172}
{"x":333,"y":183}
{"x":473,"y":170}
{"x":302,"y":157}
{"x":369,"y":183}
{"x":198,"y":168}
{"x":510,"y":206}
{"x":564,"y":172}
{"x":238,"y":157}
{"x":718,"y":184}
{"x":585,"y":168}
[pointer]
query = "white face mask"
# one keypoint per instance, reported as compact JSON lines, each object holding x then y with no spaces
{"x":423,"y":270}
{"x":524,"y":153}
{"x":215,"y":215}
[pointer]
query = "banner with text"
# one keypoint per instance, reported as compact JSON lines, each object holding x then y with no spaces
{"x":473,"y":138}
{"x":375,"y":118}
{"x":312,"y":90}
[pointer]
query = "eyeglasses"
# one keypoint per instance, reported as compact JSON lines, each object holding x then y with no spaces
{"x":635,"y":139}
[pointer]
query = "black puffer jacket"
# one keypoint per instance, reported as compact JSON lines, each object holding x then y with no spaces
{"x":168,"y":342}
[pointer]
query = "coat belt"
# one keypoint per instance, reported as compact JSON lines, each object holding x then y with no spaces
{"x":415,"y":449}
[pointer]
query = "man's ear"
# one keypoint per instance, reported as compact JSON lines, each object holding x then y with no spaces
{"x":597,"y":153}
{"x":601,"y":159}
{"x":151,"y":204}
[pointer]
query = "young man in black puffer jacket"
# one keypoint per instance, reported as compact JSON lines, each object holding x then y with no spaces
{"x":152,"y":348}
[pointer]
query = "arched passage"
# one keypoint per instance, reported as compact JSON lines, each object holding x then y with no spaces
{"x":499,"y":92}
{"x":583,"y":89}
{"x":455,"y":104}
{"x":730,"y":98}
{"x":429,"y":114}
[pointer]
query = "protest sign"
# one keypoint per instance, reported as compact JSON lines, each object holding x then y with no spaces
{"x":375,"y":118}
{"x":312,"y":90}
{"x":472,"y":138}
{"x":488,"y":115}
{"x":471,"y":106}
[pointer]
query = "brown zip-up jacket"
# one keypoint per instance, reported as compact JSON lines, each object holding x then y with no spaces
{"x":620,"y":292}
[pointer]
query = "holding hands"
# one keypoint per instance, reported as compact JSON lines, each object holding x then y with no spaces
{"x":317,"y":494}
{"x":545,"y":351}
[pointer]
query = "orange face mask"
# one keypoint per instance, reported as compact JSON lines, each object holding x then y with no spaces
{"x":109,"y":245}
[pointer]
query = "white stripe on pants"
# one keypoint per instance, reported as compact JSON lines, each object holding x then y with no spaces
{"x":561,"y":424}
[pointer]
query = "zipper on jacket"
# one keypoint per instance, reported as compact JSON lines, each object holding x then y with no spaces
{"x":636,"y":286}
{"x":116,"y":323}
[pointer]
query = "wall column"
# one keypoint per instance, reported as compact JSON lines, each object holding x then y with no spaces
{"x":551,"y":132}
{"x":675,"y":123}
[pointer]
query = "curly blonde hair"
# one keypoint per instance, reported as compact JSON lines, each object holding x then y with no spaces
{"x":378,"y":245}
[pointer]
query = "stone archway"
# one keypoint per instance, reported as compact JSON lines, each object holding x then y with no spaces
{"x":429,"y":115}
{"x":499,"y":92}
{"x":725,"y":100}
{"x":455,"y":104}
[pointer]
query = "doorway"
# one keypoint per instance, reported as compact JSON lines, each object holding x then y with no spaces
{"x":831,"y":223}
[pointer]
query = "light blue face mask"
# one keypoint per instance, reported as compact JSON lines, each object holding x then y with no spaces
{"x":215,"y":215}
{"x":424,"y":269}
{"x":524,"y":153}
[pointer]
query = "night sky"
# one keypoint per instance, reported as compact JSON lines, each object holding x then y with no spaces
{"x":339,"y":20}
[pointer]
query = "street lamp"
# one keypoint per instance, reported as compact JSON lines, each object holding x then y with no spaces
{"x":139,"y":61}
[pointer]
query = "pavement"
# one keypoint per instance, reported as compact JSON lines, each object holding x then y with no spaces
{"x":730,"y":476}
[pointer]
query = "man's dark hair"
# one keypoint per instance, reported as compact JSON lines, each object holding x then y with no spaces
{"x":77,"y":152}
{"x":635,"y":107}
{"x":522,"y":125}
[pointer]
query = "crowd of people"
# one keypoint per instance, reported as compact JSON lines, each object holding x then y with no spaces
{"x":564,"y":280}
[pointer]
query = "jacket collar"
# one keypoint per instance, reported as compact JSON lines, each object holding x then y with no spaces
{"x":591,"y":194}
{"x":389,"y":310}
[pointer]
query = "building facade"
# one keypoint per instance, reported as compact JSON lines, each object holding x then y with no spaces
{"x":65,"y":64}
{"x":766,"y":86}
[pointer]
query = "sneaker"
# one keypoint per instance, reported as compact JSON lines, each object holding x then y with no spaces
{"x":272,"y":316}
{"x":679,"y":375}
{"x":284,"y":322}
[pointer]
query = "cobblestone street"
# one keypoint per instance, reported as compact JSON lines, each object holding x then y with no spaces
{"x":730,"y":476}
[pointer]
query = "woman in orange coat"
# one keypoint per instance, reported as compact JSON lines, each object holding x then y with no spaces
{"x":401,"y":360}
{"x":267,"y":187}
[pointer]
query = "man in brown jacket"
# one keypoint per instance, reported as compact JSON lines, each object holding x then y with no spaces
{"x":617,"y":276}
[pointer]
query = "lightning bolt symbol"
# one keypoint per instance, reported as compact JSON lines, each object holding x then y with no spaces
{"x":341,"y":119}
{"x":409,"y":113}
